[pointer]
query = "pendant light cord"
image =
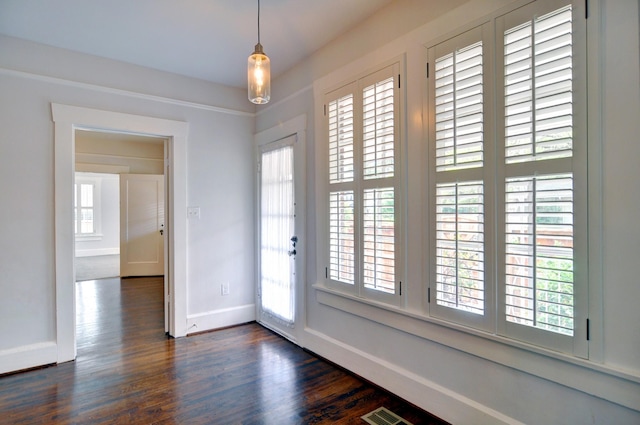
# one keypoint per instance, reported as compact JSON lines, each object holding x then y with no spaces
{"x":258,"y":21}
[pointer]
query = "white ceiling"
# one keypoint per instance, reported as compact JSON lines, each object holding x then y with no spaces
{"x":206,"y":39}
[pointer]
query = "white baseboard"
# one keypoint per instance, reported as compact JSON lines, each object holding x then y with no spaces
{"x":28,"y":356}
{"x":220,"y":318}
{"x":97,"y":251}
{"x":428,"y":395}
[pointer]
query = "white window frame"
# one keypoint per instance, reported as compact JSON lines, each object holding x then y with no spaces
{"x":96,"y":182}
{"x":493,"y":321}
{"x":395,"y":69}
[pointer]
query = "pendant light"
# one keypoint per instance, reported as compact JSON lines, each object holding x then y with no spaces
{"x":259,"y":72}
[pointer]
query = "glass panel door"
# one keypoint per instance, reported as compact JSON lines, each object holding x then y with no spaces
{"x":277,"y":237}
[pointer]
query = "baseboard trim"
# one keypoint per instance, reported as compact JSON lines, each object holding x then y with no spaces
{"x":428,"y":395}
{"x":220,"y":318}
{"x":28,"y":356}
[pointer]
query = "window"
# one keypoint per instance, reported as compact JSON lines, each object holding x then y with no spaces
{"x":362,"y":128}
{"x":87,"y":214}
{"x":84,"y":208}
{"x":530,"y":196}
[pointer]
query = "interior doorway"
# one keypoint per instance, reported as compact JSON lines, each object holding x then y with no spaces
{"x":67,"y":120}
{"x":119,"y":204}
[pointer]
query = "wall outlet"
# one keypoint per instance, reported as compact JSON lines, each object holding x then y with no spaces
{"x":193,"y":212}
{"x":224,"y":288}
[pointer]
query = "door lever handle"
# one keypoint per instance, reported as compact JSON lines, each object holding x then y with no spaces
{"x":292,"y":252}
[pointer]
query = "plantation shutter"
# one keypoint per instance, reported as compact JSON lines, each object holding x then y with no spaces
{"x":342,"y":255}
{"x":540,"y":176}
{"x":457,"y":154}
{"x":362,"y":128}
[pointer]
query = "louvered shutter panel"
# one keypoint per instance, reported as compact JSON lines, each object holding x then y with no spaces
{"x":378,"y":134}
{"x":342,"y":259}
{"x":460,"y":246}
{"x":539,"y":252}
{"x":341,"y":138}
{"x":379,"y":239}
{"x":538,"y":89}
{"x":342,"y":250}
{"x":459,"y":187}
{"x":539,"y":186}
{"x":459,"y":109}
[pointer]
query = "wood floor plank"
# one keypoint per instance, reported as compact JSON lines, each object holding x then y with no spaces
{"x":128,"y":372}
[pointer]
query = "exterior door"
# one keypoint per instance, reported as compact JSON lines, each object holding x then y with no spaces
{"x":141,"y":225}
{"x":279,"y":241}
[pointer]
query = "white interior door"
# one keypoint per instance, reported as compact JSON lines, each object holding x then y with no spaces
{"x":279,"y":241}
{"x":141,"y":225}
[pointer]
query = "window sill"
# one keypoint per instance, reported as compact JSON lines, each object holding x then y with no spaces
{"x":615,"y":385}
{"x":89,"y":238}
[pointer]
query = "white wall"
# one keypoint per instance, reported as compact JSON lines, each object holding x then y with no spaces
{"x":462,"y":377}
{"x":220,"y":243}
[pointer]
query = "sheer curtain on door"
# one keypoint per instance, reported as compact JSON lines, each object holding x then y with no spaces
{"x":277,"y":275}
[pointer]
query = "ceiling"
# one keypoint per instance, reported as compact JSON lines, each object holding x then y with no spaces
{"x":205,"y":39}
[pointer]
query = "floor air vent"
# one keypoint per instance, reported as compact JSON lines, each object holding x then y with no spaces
{"x":383,"y":416}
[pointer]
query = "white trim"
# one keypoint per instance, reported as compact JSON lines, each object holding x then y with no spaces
{"x":216,"y":319}
{"x":66,"y":118}
{"x":28,"y":356}
{"x":615,"y":385}
{"x":87,"y":167}
{"x":98,"y":251}
{"x":595,"y":64}
{"x":422,"y":392}
{"x":284,"y":100}
{"x":120,"y":92}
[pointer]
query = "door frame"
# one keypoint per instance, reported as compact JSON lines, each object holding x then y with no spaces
{"x":66,"y":120}
{"x":294,"y":127}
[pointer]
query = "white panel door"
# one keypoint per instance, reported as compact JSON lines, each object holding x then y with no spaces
{"x":141,"y":225}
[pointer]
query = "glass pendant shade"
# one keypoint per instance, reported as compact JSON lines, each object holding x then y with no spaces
{"x":259,"y":76}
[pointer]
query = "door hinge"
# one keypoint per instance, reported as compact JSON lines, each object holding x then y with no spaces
{"x":588,"y":331}
{"x":398,"y":80}
{"x":428,"y":295}
{"x":586,"y":9}
{"x":427,"y":69}
{"x":400,"y":287}
{"x":326,"y":272}
{"x":325,"y":109}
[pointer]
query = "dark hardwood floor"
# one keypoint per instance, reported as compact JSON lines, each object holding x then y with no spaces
{"x":128,"y":372}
